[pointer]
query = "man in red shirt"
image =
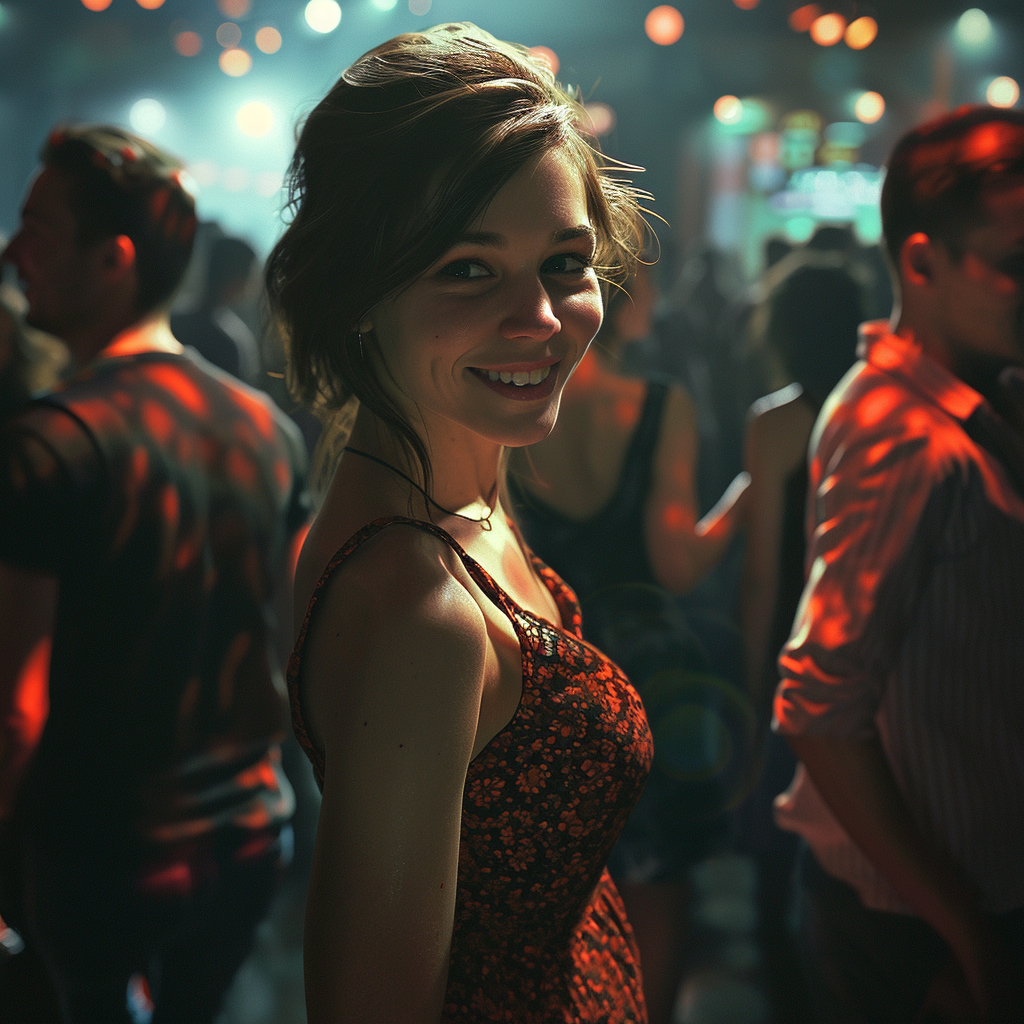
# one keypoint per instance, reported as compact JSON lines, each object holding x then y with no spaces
{"x":901,"y":681}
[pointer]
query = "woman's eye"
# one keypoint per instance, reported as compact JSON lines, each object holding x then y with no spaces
{"x":465,"y":270}
{"x":567,"y":263}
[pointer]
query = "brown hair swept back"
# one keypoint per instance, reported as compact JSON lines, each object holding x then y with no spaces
{"x":406,"y":149}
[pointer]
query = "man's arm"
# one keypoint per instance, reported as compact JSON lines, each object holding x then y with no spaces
{"x":28,"y":603}
{"x":854,"y":779}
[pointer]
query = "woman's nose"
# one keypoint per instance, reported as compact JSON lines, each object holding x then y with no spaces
{"x":530,"y":314}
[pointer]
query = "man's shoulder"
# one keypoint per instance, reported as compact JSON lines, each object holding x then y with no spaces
{"x":883,"y":417}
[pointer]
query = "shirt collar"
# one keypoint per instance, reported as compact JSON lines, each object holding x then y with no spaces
{"x":903,"y":359}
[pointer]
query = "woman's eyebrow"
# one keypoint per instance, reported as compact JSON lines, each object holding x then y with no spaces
{"x":498,"y":241}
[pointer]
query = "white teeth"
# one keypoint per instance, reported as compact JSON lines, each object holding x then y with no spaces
{"x":520,"y":378}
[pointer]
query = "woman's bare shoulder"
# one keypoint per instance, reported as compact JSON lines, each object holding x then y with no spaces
{"x":395,"y":628}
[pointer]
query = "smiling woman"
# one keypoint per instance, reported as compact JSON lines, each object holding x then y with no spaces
{"x":441,"y":276}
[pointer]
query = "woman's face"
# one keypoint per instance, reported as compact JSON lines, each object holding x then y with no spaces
{"x":485,"y":340}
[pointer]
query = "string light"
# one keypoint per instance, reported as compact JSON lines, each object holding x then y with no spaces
{"x":255,"y":119}
{"x":804,"y":17}
{"x":828,"y":29}
{"x":869,"y":107}
{"x":235,"y":62}
{"x":728,"y":109}
{"x":229,"y":35}
{"x":268,"y":39}
{"x":664,"y":25}
{"x":1002,"y":92}
{"x":150,"y":5}
{"x":234,"y":8}
{"x":187,"y":43}
{"x":323,"y":16}
{"x":96,"y":5}
{"x":861,"y":33}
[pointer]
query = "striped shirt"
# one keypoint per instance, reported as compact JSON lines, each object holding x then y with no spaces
{"x":911,"y":626}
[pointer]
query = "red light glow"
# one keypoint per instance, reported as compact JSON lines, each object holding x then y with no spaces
{"x":150,"y":5}
{"x":188,"y":44}
{"x":95,"y":5}
{"x":828,"y":29}
{"x":664,"y":25}
{"x":234,"y":8}
{"x":804,"y":17}
{"x":746,"y":5}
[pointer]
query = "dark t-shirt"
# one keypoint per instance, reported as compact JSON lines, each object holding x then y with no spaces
{"x":162,"y":495}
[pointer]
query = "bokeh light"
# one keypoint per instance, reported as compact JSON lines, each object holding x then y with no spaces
{"x":602,"y":118}
{"x":861,"y":33}
{"x":235,"y":179}
{"x":828,"y":29}
{"x":268,"y":39}
{"x":235,"y":63}
{"x":385,"y":5}
{"x":96,"y":5}
{"x":269,"y":183}
{"x":229,"y":35}
{"x":664,"y":25}
{"x":869,"y":107}
{"x":804,"y":17}
{"x":546,"y":54}
{"x":973,"y":27}
{"x":147,"y":116}
{"x":746,"y":5}
{"x":150,"y":5}
{"x":234,"y":8}
{"x":1002,"y":92}
{"x":204,"y":173}
{"x":728,"y":109}
{"x":419,"y":6}
{"x":188,"y":43}
{"x":323,"y":16}
{"x":254,"y":119}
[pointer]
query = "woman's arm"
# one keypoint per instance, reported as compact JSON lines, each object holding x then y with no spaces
{"x":393,"y":680}
{"x":683,"y":551}
{"x":760,"y":579}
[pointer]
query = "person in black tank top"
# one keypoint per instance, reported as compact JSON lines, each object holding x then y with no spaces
{"x":810,"y":318}
{"x":619,"y":561}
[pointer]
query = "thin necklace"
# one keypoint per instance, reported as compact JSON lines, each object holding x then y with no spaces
{"x":484,"y":522}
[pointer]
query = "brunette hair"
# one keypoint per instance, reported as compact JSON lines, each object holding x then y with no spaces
{"x":122,"y":184}
{"x":938,"y":172}
{"x":406,"y":150}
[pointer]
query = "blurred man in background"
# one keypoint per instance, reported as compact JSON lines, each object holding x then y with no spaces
{"x":148,"y":509}
{"x":901,"y":681}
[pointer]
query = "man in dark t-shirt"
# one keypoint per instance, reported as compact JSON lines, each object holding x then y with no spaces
{"x":148,"y":512}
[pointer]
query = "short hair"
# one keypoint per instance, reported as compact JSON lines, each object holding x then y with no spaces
{"x":938,"y":172}
{"x":123,"y":185}
{"x":404,"y":151}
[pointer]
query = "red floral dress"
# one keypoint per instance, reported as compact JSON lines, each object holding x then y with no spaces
{"x":540,"y":932}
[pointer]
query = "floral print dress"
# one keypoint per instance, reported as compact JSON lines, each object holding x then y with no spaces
{"x":540,"y":932}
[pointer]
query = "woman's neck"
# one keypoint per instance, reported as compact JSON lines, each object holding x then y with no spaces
{"x":464,"y":470}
